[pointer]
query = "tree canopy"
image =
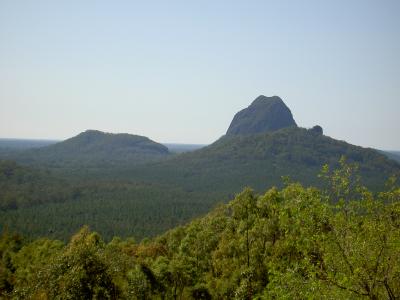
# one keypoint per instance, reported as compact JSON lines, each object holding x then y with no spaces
{"x":337,"y":242}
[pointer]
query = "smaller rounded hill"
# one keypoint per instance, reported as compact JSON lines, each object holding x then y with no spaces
{"x":92,"y":147}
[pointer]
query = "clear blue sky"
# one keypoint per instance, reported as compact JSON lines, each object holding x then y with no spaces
{"x":177,"y":71}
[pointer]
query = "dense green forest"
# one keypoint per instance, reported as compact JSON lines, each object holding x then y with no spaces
{"x":22,"y":187}
{"x":337,"y":242}
{"x":37,"y":203}
{"x":145,"y":199}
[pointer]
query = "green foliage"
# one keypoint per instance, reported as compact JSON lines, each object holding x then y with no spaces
{"x":341,"y":242}
{"x":9,"y":245}
{"x":29,"y":260}
{"x":292,"y":243}
{"x":79,"y":271}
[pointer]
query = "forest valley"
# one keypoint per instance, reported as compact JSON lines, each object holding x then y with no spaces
{"x":340,"y":241}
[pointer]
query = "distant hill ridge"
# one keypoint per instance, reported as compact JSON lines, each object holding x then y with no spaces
{"x":90,"y":140}
{"x":97,"y":148}
{"x":264,"y":115}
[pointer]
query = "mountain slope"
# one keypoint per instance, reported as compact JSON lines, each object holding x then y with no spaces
{"x":96,"y":148}
{"x":395,"y":155}
{"x":260,"y":161}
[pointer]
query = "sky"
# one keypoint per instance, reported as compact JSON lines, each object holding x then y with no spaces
{"x":178,"y":71}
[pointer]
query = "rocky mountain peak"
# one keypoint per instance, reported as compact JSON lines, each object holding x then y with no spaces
{"x":264,"y":114}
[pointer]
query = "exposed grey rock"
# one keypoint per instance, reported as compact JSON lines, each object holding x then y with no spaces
{"x":264,"y":114}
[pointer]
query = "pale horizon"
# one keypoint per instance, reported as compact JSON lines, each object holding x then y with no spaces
{"x":177,"y":72}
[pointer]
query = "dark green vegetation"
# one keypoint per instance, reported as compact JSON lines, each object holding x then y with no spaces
{"x":130,"y":186}
{"x":260,"y":161}
{"x":263,"y":115}
{"x":341,"y":242}
{"x":37,"y":203}
{"x":23,"y":187}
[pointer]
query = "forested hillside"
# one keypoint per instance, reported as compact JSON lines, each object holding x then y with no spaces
{"x":94,"y":149}
{"x":395,"y":155}
{"x":342,"y":242}
{"x":261,"y":160}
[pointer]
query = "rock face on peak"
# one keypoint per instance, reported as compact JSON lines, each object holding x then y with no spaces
{"x":263,"y":115}
{"x":317,"y":130}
